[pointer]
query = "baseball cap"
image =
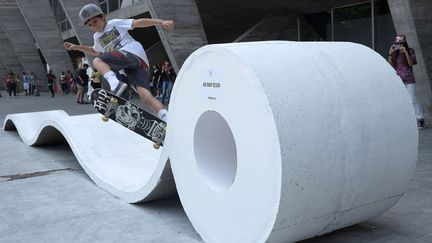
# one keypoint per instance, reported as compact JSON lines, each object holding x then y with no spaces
{"x":89,"y":11}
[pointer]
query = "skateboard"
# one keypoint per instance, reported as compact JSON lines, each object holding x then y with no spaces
{"x":129,"y":115}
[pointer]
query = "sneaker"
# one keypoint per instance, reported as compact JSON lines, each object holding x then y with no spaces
{"x":421,"y":124}
{"x":120,"y":89}
{"x":163,"y":115}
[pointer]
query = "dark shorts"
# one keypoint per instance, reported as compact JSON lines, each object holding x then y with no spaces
{"x":135,"y":68}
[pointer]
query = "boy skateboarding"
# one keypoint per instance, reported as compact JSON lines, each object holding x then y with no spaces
{"x":116,"y":50}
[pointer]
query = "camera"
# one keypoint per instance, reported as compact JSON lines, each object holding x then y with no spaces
{"x":397,"y":47}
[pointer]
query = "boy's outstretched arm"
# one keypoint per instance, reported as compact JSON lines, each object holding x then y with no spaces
{"x":146,"y":22}
{"x":87,"y":49}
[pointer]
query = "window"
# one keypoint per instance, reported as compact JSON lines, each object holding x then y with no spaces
{"x":113,"y":5}
{"x":384,"y":28}
{"x":109,"y":6}
{"x":353,"y":24}
{"x":368,"y":23}
{"x":316,"y":27}
{"x":60,"y":15}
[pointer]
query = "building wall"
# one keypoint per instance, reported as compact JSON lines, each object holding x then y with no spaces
{"x":8,"y":54}
{"x":21,"y":40}
{"x":276,"y":26}
{"x":46,"y":33}
{"x":188,"y":34}
{"x":82,"y":33}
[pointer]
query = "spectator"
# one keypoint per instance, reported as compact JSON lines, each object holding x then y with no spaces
{"x":82,"y":81}
{"x":155,"y":83}
{"x":17,"y":83}
{"x":403,"y":58}
{"x":11,"y":85}
{"x":71,"y":82}
{"x":51,"y":81}
{"x":96,"y":79}
{"x":64,"y":83}
{"x":30,"y":77}
{"x":26,"y":83}
{"x":168,"y":77}
{"x":34,"y":84}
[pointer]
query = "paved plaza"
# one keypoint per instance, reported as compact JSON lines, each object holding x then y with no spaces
{"x":45,"y":196}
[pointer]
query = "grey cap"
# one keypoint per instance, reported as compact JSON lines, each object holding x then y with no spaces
{"x":89,"y":11}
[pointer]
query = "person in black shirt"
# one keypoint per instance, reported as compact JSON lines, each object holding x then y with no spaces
{"x":155,"y":81}
{"x":82,"y":82}
{"x":167,"y":78}
{"x":51,"y":80}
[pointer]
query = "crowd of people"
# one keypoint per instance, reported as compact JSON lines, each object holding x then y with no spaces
{"x":26,"y":83}
{"x":30,"y":84}
{"x":162,"y":78}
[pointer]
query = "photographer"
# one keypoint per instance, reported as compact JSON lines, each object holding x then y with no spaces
{"x":402,"y":58}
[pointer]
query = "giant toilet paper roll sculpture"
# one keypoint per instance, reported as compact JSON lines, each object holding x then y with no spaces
{"x":268,"y":141}
{"x":283,"y":141}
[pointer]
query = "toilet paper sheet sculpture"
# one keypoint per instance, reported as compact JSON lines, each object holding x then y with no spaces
{"x":283,"y":141}
{"x":268,"y":141}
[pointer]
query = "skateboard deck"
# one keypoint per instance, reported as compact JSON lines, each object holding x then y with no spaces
{"x":129,"y":115}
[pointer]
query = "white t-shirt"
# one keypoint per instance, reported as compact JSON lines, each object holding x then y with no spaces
{"x":115,"y":36}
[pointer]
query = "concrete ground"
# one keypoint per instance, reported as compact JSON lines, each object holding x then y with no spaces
{"x":45,"y":196}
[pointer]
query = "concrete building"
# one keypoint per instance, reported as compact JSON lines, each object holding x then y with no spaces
{"x":31,"y":39}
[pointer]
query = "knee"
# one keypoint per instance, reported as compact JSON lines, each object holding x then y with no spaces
{"x":96,"y":61}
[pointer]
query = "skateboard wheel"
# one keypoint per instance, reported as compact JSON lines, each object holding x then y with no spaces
{"x":156,"y":146}
{"x":105,"y":118}
{"x":114,"y":101}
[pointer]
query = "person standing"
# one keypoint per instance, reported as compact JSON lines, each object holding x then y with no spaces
{"x":403,"y":58}
{"x":17,"y":83}
{"x":11,"y":85}
{"x":51,"y":80}
{"x":155,"y":80}
{"x":26,"y":83}
{"x":167,"y":77}
{"x":70,"y":82}
{"x":96,"y":79}
{"x":35,"y":84}
{"x":64,"y":83}
{"x":82,"y":81}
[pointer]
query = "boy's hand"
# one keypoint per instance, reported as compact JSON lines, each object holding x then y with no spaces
{"x":69,"y":46}
{"x":168,"y":24}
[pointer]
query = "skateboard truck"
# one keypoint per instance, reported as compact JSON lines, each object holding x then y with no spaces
{"x":114,"y":102}
{"x":159,"y":142}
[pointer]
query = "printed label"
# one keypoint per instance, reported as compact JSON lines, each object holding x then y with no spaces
{"x":212,"y":85}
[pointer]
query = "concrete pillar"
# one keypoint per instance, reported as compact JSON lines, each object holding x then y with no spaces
{"x":188,"y":34}
{"x":3,"y":71}
{"x":21,"y":39}
{"x":83,"y":33}
{"x":45,"y":30}
{"x":413,"y":19}
{"x":276,"y":26}
{"x":156,"y":53}
{"x":7,"y":54}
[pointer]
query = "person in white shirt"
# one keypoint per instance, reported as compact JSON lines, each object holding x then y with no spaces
{"x":116,"y":50}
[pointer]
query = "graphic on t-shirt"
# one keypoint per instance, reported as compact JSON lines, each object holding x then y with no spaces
{"x":110,"y":40}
